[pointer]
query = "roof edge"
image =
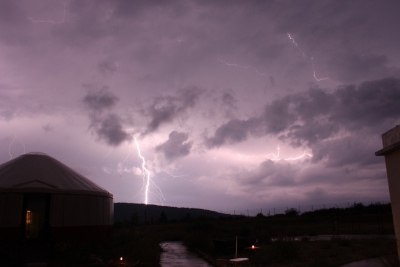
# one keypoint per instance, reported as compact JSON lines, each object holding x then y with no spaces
{"x":388,"y":149}
{"x":55,"y":192}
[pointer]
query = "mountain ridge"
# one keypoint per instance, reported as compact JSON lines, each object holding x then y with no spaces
{"x":140,"y":213}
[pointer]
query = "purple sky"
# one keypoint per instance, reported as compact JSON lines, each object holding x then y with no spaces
{"x":222,"y":97}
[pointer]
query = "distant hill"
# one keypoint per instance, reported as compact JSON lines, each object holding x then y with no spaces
{"x":125,"y":212}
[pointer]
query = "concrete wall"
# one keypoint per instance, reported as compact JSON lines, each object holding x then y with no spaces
{"x":391,"y":151}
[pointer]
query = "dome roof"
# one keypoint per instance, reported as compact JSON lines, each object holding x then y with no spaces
{"x":36,"y":172}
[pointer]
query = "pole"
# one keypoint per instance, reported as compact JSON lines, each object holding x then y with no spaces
{"x":236,"y":248}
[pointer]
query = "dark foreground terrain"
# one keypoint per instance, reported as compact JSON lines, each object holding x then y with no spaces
{"x":281,"y":240}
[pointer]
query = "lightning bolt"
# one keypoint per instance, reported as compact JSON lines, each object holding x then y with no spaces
{"x":315,"y":76}
{"x":51,"y":21}
{"x":240,"y":66}
{"x":160,"y":194}
{"x":147,"y":181}
{"x":297,"y":46}
{"x":41,"y":21}
{"x":12,"y":142}
{"x":311,"y":59}
{"x":182,"y":177}
{"x":232,"y":64}
{"x":145,"y":172}
{"x":276,"y":157}
{"x":299,"y":157}
{"x":172,"y":175}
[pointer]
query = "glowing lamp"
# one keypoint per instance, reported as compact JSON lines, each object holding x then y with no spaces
{"x":121,"y":259}
{"x":252,"y":247}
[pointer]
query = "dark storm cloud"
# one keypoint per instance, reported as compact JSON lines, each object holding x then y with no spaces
{"x":166,"y":108}
{"x":107,"y":126}
{"x":316,"y":115}
{"x":234,"y":131}
{"x":48,"y":127}
{"x":332,"y":33}
{"x":353,"y":67}
{"x":85,"y":22}
{"x":99,"y":100}
{"x":7,"y":110}
{"x":229,"y":103}
{"x":176,"y":146}
{"x":346,"y":151}
{"x":369,"y":104}
{"x":107,"y":67}
{"x":110,"y":130}
{"x":268,"y":174}
{"x":263,"y":174}
{"x":13,"y":23}
{"x":88,"y":22}
{"x":10,"y":12}
{"x":317,"y":194}
{"x":134,"y":9}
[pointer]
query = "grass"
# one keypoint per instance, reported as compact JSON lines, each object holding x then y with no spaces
{"x":286,"y":251}
{"x":321,"y":253}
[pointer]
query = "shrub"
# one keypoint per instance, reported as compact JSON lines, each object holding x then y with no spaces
{"x":286,"y":250}
{"x":292,"y":212}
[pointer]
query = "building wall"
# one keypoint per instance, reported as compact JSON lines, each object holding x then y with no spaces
{"x":391,"y":151}
{"x":73,"y":217}
{"x":76,"y":218}
{"x":393,"y":172}
{"x":80,"y":210}
{"x":10,"y":209}
{"x":82,"y":233}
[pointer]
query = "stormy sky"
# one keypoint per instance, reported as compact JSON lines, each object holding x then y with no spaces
{"x":235,"y":105}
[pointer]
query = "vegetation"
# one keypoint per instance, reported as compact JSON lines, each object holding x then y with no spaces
{"x":284,"y":240}
{"x":280,"y":240}
{"x":151,"y":213}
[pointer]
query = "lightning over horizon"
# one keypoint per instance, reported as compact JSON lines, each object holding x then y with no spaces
{"x":147,"y":181}
{"x":145,"y":173}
